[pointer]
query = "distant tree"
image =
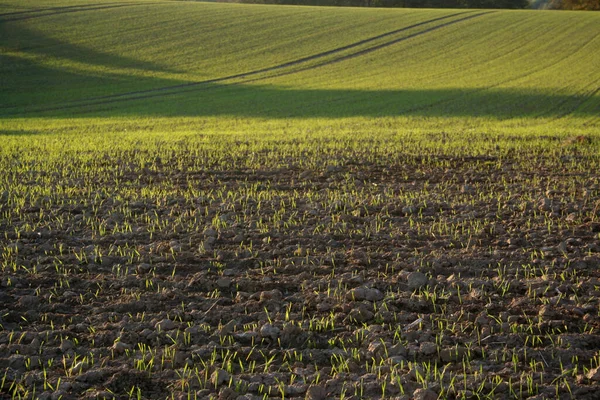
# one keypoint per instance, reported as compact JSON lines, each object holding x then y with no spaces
{"x":405,"y":3}
{"x":580,"y":5}
{"x":591,"y":5}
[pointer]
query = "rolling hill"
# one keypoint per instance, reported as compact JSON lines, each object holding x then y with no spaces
{"x":192,"y":59}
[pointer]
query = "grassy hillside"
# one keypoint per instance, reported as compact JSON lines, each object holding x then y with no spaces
{"x":188,"y":59}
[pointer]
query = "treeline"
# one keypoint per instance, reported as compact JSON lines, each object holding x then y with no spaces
{"x":404,"y":3}
{"x":514,"y":4}
{"x":593,"y":5}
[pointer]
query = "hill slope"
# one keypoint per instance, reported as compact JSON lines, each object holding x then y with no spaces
{"x":165,"y":58}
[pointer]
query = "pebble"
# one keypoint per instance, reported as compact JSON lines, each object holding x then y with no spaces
{"x":165,"y":325}
{"x":223,"y":283}
{"x":424,"y":394}
{"x":274,"y":294}
{"x":316,"y":393}
{"x":210,"y":233}
{"x":545,"y":204}
{"x":120,"y":347}
{"x":364,"y":293}
{"x":416,"y":280}
{"x":269,"y":331}
{"x":361,"y":313}
{"x":428,"y":348}
{"x":219,"y":377}
{"x":92,"y":377}
{"x":227,"y":393}
{"x":397,"y":360}
{"x":66,"y":345}
{"x":143,"y":268}
{"x":28,"y":301}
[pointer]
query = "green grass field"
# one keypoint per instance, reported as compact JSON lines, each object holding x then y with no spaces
{"x":205,"y":200}
{"x":185,"y":63}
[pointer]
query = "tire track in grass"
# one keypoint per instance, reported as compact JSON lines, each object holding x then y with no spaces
{"x":190,"y":86}
{"x":583,"y":93}
{"x":371,"y":49}
{"x":46,"y":12}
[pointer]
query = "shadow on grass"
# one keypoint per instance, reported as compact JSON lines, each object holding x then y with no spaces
{"x":21,"y":47}
{"x":276,"y":102}
{"x":30,"y":90}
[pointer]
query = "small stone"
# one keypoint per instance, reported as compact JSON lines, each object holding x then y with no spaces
{"x":66,"y":345}
{"x":165,"y":325}
{"x":208,"y":244}
{"x":360,"y":314}
{"x":175,"y":246}
{"x":59,"y":394}
{"x":239,"y":238}
{"x":397,"y":360}
{"x":227,"y":393}
{"x":332,"y":169}
{"x":364,"y":293}
{"x":269,"y":331}
{"x":143,"y":268}
{"x":316,"y":393}
{"x":93,"y":377}
{"x":228,"y":328}
{"x":397,"y":350}
{"x":416,"y":280}
{"x":69,"y":294}
{"x":416,"y":372}
{"x":219,"y":377}
{"x":545,"y":204}
{"x":515,"y":241}
{"x":210,"y":233}
{"x":377,"y":349}
{"x":292,"y":335}
{"x":428,"y":348}
{"x":28,"y":301}
{"x":120,"y":347}
{"x":274,"y":294}
{"x":16,"y":361}
{"x":424,"y":394}
{"x":245,"y":337}
{"x":223,"y":283}
{"x":294,"y":390}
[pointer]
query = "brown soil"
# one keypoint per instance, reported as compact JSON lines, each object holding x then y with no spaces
{"x":424,"y":277}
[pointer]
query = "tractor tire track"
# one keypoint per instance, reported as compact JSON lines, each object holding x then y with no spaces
{"x":584,"y":94}
{"x":380,"y":46}
{"x":192,"y":86}
{"x":46,"y":12}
